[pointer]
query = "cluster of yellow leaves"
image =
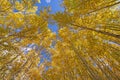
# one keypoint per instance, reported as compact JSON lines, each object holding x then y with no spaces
{"x":15,"y":64}
{"x":88,"y":44}
{"x":21,"y":5}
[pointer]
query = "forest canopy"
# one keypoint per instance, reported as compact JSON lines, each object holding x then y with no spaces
{"x":86,"y":45}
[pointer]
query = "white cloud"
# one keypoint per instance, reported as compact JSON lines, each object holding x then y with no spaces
{"x":48,"y":1}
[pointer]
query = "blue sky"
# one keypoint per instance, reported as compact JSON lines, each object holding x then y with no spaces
{"x":55,"y":7}
{"x":54,"y":4}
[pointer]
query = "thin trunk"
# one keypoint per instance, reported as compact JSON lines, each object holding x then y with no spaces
{"x":92,"y":74}
{"x":104,"y":7}
{"x":99,"y":31}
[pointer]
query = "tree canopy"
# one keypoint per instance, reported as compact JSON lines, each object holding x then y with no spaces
{"x":86,"y":47}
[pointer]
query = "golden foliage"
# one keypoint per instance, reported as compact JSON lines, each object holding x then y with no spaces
{"x":87,"y":46}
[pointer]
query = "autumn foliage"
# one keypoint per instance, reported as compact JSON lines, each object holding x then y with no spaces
{"x":86,"y":47}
